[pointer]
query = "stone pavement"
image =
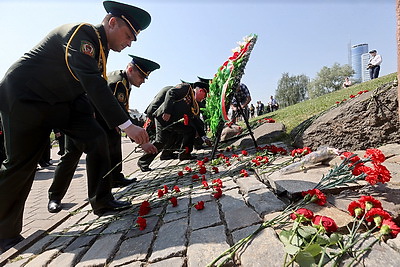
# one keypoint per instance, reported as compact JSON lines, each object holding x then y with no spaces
{"x":182,"y":235}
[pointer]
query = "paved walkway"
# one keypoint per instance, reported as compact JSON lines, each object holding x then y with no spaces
{"x":174,"y":236}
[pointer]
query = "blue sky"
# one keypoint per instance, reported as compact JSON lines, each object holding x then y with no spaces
{"x":191,"y":38}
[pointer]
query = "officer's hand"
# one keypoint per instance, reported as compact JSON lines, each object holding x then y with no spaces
{"x":138,"y":134}
{"x":149,"y":148}
{"x":166,"y":116}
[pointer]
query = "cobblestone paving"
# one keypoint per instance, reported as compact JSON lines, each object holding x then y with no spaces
{"x":174,"y":236}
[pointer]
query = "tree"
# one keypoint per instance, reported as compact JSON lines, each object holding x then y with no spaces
{"x":329,"y":80}
{"x":291,"y":89}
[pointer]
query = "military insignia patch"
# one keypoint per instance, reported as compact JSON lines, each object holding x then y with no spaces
{"x":87,"y":48}
{"x":121,"y":97}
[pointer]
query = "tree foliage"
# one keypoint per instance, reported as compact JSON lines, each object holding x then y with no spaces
{"x":291,"y":89}
{"x":329,"y":79}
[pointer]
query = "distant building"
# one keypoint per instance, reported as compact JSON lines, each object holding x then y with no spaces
{"x":357,"y":61}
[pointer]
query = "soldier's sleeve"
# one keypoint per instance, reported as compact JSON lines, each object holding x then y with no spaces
{"x":82,"y":59}
{"x":173,"y":95}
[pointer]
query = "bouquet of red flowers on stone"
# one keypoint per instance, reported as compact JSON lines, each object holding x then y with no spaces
{"x":351,"y":169}
{"x":308,"y":238}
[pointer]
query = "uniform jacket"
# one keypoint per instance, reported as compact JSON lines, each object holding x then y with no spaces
{"x":46,"y":74}
{"x":157,"y":101}
{"x":178,"y":101}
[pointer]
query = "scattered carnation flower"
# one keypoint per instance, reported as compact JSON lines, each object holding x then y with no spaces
{"x":215,"y":169}
{"x":369,"y":202}
{"x":355,"y":209}
{"x":199,"y":205}
{"x":302,"y":215}
{"x":176,"y":189}
{"x":205,"y":184}
{"x":218,"y":194}
{"x":188,"y":169}
{"x":389,"y":227}
{"x":375,"y":155}
{"x":202,"y":170}
{"x":180,"y":173}
{"x":195,"y":177}
{"x":244,"y":153}
{"x":174,"y":201}
{"x":315,"y":196}
{"x":141,"y":222}
{"x":218,"y":182}
{"x":377,"y":215}
{"x":160,"y":193}
{"x":144,"y":208}
{"x":244,"y":173}
{"x":326,"y":222}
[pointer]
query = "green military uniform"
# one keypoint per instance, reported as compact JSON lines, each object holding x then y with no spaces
{"x":178,"y":101}
{"x":49,"y":88}
{"x":120,"y":87}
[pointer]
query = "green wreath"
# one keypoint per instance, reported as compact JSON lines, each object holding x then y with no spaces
{"x":227,"y":78}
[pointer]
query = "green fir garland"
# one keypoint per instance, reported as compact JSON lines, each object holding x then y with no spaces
{"x":228,"y":75}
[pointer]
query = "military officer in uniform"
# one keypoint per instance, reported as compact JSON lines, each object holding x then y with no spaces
{"x":179,"y":102}
{"x":49,"y":87}
{"x":120,"y":82}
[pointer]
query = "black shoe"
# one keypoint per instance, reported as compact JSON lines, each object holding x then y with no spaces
{"x":168,"y":156}
{"x":7,"y":243}
{"x":186,"y":156}
{"x":54,"y":206}
{"x":144,"y":168}
{"x":111,"y":205}
{"x":44,"y":164}
{"x":121,"y":181}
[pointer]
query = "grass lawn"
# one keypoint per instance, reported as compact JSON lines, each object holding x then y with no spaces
{"x":293,"y":115}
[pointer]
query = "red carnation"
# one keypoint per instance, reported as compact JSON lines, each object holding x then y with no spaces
{"x":353,"y":157}
{"x":328,"y":223}
{"x":355,"y":209}
{"x":218,"y":194}
{"x":141,"y":222}
{"x":144,"y":208}
{"x":160,"y":193}
{"x":315,"y":195}
{"x":377,"y":215}
{"x":180,"y":173}
{"x":244,"y":173}
{"x":199,"y":205}
{"x":218,"y":182}
{"x":215,"y":169}
{"x":165,"y":189}
{"x":389,"y":227}
{"x":205,"y":184}
{"x":302,"y":215}
{"x":195,"y":177}
{"x":202,"y":170}
{"x":244,"y":153}
{"x":176,"y":189}
{"x":185,"y":119}
{"x":383,"y":173}
{"x":188,"y":169}
{"x":174,"y":201}
{"x":369,"y":202}
{"x":375,"y":155}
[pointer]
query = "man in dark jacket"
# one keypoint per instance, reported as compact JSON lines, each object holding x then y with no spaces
{"x":49,"y":87}
{"x":176,"y":116}
{"x":120,"y":83}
